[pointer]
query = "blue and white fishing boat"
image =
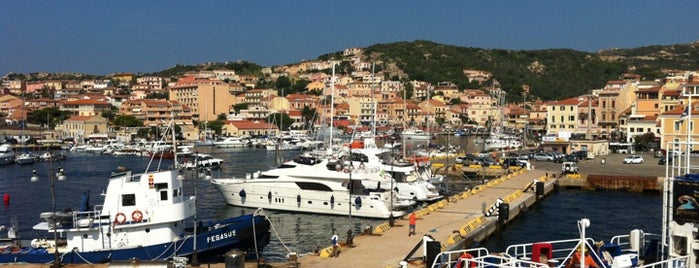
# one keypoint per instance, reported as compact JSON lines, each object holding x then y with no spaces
{"x":144,"y":216}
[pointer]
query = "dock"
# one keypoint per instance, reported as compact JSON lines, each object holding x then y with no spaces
{"x":454,"y":222}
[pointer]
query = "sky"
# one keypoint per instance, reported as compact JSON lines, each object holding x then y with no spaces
{"x":105,"y":37}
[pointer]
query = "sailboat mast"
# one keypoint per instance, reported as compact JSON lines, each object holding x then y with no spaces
{"x":332,"y":107}
{"x":373,"y":100}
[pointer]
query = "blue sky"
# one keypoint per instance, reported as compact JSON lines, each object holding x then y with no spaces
{"x":103,"y":37}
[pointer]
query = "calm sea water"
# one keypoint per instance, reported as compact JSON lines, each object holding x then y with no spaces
{"x":611,"y":213}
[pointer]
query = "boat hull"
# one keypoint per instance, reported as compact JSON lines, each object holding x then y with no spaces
{"x":235,"y":233}
{"x":285,"y":197}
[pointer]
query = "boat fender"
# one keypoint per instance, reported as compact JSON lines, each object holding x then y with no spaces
{"x":242,"y":193}
{"x":463,"y":259}
{"x":120,"y":218}
{"x":269,"y":195}
{"x":298,"y":199}
{"x":332,"y":199}
{"x":358,"y":201}
{"x":137,"y":216}
{"x":35,"y":243}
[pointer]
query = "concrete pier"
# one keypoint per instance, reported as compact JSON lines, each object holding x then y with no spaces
{"x":452,"y":221}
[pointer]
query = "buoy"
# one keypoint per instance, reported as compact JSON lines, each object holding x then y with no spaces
{"x":137,"y":216}
{"x":358,"y":201}
{"x":120,"y":218}
{"x":6,"y":199}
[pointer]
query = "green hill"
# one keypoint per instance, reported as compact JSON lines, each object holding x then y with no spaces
{"x":551,"y":73}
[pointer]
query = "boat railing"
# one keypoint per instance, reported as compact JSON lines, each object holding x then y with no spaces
{"x":561,"y":250}
{"x":86,"y":219}
{"x":481,"y":257}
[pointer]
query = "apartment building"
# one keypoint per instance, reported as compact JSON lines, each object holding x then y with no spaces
{"x":154,"y":112}
{"x":81,"y":127}
{"x":86,"y":107}
{"x":205,"y":98}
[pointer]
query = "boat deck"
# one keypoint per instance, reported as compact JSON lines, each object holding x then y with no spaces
{"x":452,"y":222}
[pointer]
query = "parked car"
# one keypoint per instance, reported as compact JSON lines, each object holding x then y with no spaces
{"x":633,"y":159}
{"x":511,"y":161}
{"x":580,"y":155}
{"x":542,"y":157}
{"x":664,"y":160}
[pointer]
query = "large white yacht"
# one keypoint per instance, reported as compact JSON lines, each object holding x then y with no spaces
{"x":307,"y":195}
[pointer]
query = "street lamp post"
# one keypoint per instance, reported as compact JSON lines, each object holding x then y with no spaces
{"x":60,"y":176}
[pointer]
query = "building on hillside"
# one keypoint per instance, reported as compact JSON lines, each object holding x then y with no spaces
{"x":434,"y":109}
{"x":362,"y":109}
{"x":674,"y":126}
{"x":81,"y":127}
{"x":638,"y":125}
{"x":647,"y":100}
{"x":9,"y":103}
{"x":154,"y":112}
{"x":614,"y":98}
{"x":562,"y":116}
{"x":249,"y":128}
{"x":86,"y":107}
{"x":41,"y":103}
{"x":123,"y":77}
{"x":206,"y":98}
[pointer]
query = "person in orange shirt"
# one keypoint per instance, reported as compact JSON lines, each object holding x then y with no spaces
{"x":412,"y":222}
{"x":575,"y":260}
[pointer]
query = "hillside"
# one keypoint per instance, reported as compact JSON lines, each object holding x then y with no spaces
{"x":551,"y":74}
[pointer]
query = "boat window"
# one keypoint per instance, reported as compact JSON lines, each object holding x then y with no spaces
{"x":163,"y":195}
{"x":679,"y":245}
{"x":175,"y":192}
{"x":128,"y":200}
{"x":313,"y":186}
{"x":160,"y":186}
{"x":267,"y":177}
{"x":286,"y":166}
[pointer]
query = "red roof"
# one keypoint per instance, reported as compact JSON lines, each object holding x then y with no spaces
{"x":569,"y":101}
{"x":81,"y":118}
{"x":247,"y":124}
{"x":86,"y":102}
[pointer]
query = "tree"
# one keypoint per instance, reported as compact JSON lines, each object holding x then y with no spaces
{"x":127,"y":121}
{"x":283,"y":85}
{"x":308,"y":115}
{"x":282,"y":124}
{"x":216,"y":126}
{"x":455,"y":101}
{"x":641,"y":142}
{"x":50,"y":115}
{"x":221,"y":117}
{"x":240,"y":106}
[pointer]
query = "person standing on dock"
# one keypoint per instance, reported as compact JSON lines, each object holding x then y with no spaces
{"x":412,"y":221}
{"x":334,"y":240}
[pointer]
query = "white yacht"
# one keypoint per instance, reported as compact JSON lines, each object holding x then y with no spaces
{"x":412,"y":179}
{"x":25,"y":159}
{"x":416,"y":134}
{"x":6,"y":154}
{"x":202,"y":160}
{"x":231,"y":142}
{"x":307,"y":195}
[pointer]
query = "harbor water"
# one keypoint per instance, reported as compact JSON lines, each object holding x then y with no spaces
{"x":611,"y":213}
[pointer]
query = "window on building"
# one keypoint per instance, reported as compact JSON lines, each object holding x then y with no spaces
{"x":571,"y":118}
{"x":563,"y":118}
{"x":553,"y":126}
{"x":639,"y":129}
{"x":613,"y":103}
{"x":563,"y":108}
{"x":553,"y":108}
{"x":677,"y":125}
{"x":553,"y":119}
{"x":604,"y":104}
{"x":630,"y":130}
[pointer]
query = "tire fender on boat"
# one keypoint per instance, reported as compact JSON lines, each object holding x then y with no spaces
{"x":137,"y":216}
{"x":120,"y":218}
